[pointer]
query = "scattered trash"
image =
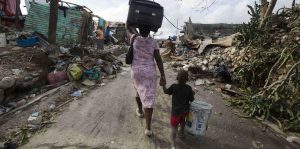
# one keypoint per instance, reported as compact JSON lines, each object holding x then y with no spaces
{"x":222,"y":73}
{"x":57,"y":77}
{"x":108,"y":69}
{"x":228,"y":86}
{"x":34,"y":121}
{"x":64,"y":50}
{"x":88,"y":82}
{"x":75,"y":72}
{"x":93,"y":73}
{"x":28,"y":41}
{"x":76,"y":93}
{"x":257,"y":144}
{"x":199,"y":82}
{"x":32,"y":95}
{"x":209,"y":82}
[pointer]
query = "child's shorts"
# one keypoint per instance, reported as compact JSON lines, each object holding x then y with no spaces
{"x":176,"y":120}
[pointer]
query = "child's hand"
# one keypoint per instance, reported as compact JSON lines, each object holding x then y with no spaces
{"x":162,"y":81}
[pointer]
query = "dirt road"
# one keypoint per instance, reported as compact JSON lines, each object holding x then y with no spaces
{"x":105,"y":119}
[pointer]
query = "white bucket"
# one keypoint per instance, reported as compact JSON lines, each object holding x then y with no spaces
{"x":3,"y":40}
{"x":197,"y":120}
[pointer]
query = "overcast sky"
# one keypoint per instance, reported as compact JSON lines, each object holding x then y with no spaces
{"x":221,"y":11}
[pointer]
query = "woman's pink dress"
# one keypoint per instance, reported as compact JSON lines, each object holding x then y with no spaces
{"x":143,"y":69}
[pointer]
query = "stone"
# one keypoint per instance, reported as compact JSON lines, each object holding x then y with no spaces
{"x":199,"y":82}
{"x":88,"y":82}
{"x":233,"y":51}
{"x":52,"y":107}
{"x":209,"y":82}
{"x":21,"y":102}
{"x":35,"y":74}
{"x":12,"y":104}
{"x":284,"y":38}
{"x":16,"y":48}
{"x":205,"y":62}
{"x":7,"y":82}
{"x":2,"y":97}
{"x":228,"y":86}
{"x":9,"y":98}
{"x":32,"y":95}
{"x":293,"y":139}
{"x":34,"y":120}
{"x":204,"y":68}
{"x":212,"y":57}
{"x":16,"y":71}
{"x":211,"y":67}
{"x":186,"y":67}
{"x":28,"y":78}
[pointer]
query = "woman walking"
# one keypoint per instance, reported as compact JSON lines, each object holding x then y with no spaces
{"x":143,"y":73}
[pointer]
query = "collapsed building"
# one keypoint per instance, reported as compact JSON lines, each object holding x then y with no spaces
{"x":194,"y":30}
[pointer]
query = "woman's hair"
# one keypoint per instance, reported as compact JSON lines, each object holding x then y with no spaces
{"x":100,"y":27}
{"x":144,"y":30}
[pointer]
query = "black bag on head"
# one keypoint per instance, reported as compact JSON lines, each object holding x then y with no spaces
{"x":129,"y":54}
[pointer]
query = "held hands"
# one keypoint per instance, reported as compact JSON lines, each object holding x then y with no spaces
{"x":162,"y":81}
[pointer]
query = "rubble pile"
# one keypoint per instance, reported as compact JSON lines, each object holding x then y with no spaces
{"x":264,"y":63}
{"x":29,"y":71}
{"x":20,"y":70}
{"x":269,"y":70}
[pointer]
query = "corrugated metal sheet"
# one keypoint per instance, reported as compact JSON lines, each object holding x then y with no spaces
{"x":67,"y":27}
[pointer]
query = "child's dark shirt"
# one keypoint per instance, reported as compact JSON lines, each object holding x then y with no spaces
{"x":182,"y":95}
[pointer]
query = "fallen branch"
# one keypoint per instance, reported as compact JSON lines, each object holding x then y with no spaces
{"x":274,"y":67}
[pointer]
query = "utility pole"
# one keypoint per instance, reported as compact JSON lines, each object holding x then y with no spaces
{"x":17,"y":14}
{"x":53,"y":21}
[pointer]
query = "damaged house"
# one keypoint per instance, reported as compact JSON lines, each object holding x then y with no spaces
{"x":192,"y":30}
{"x":74,"y":24}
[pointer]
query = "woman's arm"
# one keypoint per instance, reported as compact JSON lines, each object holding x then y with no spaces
{"x":131,"y":30}
{"x":160,"y":66}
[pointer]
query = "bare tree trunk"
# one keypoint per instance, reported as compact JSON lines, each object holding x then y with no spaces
{"x":263,"y":8}
{"x":53,"y":21}
{"x":268,"y":13}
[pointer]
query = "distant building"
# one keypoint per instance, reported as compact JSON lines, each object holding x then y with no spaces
{"x":192,"y":30}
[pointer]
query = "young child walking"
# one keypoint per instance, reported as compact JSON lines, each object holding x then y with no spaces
{"x":182,"y":96}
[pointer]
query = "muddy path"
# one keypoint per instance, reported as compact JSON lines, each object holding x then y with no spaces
{"x":105,"y":119}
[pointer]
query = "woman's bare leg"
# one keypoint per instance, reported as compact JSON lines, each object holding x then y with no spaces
{"x":139,"y":104}
{"x":148,"y":117}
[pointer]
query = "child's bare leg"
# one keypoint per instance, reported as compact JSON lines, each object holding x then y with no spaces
{"x":181,"y":131}
{"x":173,"y":135}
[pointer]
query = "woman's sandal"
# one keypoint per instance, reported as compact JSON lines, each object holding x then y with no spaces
{"x":140,"y":115}
{"x":148,"y":133}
